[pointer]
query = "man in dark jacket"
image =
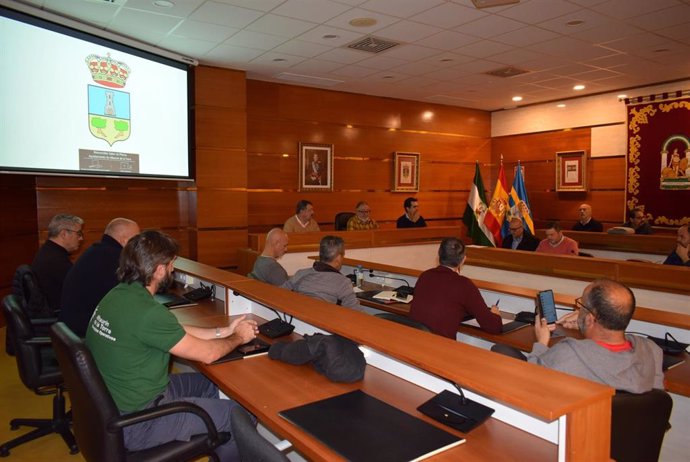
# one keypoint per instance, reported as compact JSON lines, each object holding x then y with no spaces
{"x":519,"y":239}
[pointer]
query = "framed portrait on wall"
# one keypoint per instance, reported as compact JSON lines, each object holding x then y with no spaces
{"x":315,"y":167}
{"x":571,"y":171}
{"x":406,"y":172}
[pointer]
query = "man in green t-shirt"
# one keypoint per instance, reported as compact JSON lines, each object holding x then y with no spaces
{"x":132,"y":336}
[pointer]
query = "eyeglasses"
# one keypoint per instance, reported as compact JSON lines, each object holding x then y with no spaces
{"x":579,"y":304}
{"x":78,"y":233}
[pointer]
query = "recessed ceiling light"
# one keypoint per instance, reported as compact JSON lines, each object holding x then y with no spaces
{"x":387,"y":77}
{"x":446,"y":60}
{"x":622,"y":96}
{"x":164,"y":3}
{"x":349,"y":126}
{"x":574,"y":23}
{"x":330,"y":36}
{"x":661,"y":50}
{"x":363,"y":22}
{"x":579,"y":87}
{"x":391,"y":129}
{"x":560,"y":105}
{"x":427,"y":115}
{"x":286,"y":155}
{"x":517,"y":98}
{"x":278,"y":60}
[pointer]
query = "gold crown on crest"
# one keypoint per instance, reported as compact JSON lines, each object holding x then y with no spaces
{"x":107,"y":71}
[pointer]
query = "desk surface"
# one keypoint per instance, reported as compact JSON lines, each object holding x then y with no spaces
{"x":266,"y":387}
{"x":677,"y":379}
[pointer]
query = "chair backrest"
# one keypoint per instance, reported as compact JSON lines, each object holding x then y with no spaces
{"x":638,"y":425}
{"x":252,"y":446}
{"x":25,"y":287}
{"x":92,"y":405}
{"x":404,"y":320}
{"x":32,"y":358}
{"x":341,"y":220}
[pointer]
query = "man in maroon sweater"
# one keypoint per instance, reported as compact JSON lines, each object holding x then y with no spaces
{"x":442,"y":297}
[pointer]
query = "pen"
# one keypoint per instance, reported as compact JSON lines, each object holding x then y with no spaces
{"x":498,"y":301}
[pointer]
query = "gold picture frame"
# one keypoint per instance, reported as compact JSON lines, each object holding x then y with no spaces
{"x":406,"y":171}
{"x":315,"y":167}
{"x":571,"y":171}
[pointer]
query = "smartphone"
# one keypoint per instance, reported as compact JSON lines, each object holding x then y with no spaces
{"x":546,"y":306}
{"x":253,"y":347}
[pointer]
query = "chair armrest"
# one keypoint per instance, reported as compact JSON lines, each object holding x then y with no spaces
{"x":40,"y":341}
{"x":43,"y":321}
{"x":163,"y":410}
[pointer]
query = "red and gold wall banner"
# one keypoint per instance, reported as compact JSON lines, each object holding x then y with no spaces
{"x":658,"y":160}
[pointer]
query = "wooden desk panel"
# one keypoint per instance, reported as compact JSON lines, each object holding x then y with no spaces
{"x":266,"y":387}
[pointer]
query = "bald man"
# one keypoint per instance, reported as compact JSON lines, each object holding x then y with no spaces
{"x":266,"y":268}
{"x":586,"y":222}
{"x":606,"y":355}
{"x":93,"y":275}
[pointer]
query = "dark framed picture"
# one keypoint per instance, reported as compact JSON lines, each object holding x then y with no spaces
{"x":315,"y":167}
{"x":571,"y":171}
{"x":406,"y":172}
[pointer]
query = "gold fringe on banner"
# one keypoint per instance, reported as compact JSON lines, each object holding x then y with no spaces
{"x":658,"y":97}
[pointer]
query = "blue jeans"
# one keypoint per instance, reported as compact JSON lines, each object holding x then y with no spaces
{"x":193,"y":388}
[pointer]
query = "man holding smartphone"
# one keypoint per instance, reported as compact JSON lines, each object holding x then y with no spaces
{"x":606,"y":354}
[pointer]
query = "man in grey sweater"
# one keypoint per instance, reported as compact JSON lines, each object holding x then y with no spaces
{"x":324,"y":279}
{"x":606,"y":355}
{"x":266,"y":268}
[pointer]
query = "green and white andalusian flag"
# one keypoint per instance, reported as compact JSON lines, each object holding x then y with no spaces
{"x":476,"y":211}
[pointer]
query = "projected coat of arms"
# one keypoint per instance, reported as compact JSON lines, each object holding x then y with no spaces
{"x":109,"y":115}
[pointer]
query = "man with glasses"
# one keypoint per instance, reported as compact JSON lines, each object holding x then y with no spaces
{"x":52,"y":261}
{"x":362,"y":219}
{"x":636,"y":221}
{"x":606,"y":354}
{"x":519,"y":239}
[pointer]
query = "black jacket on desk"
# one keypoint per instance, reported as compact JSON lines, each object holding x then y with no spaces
{"x":528,"y":242}
{"x":592,"y":225}
{"x":51,"y":265}
{"x":91,"y":277}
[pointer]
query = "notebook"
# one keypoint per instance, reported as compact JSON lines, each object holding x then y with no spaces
{"x":360,"y":427}
{"x":253,"y":348}
{"x":508,"y":325}
{"x":669,"y":362}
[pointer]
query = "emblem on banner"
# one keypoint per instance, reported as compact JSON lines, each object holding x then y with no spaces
{"x":675,"y":165}
{"x":108,"y":108}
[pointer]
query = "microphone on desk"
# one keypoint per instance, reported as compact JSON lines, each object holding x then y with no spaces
{"x":402,"y":291}
{"x":456,"y":411}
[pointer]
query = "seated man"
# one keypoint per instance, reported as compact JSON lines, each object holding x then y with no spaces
{"x":266,"y":268}
{"x":443,"y":298}
{"x":519,"y":239}
{"x":411,"y":218}
{"x":302,"y":221}
{"x":324,"y":279}
{"x":94,"y":274}
{"x":606,"y":355}
{"x":637,"y":221}
{"x":680,"y":256}
{"x":362,"y":219}
{"x":132,"y":337}
{"x":586,"y":222}
{"x":52,"y":261}
{"x":556,"y":243}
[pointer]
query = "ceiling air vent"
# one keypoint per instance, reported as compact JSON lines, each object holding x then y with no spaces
{"x":372,"y":45}
{"x":509,"y":71}
{"x":479,"y":4}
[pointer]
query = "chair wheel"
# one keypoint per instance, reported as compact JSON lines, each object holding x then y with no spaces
{"x":14,"y":427}
{"x":74,"y":449}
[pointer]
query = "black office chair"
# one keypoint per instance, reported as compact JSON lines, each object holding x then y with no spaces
{"x":341,"y":219}
{"x":638,"y":425}
{"x":97,"y":422}
{"x":252,"y":446}
{"x":39,"y":371}
{"x":31,"y":299}
{"x":403,"y":320}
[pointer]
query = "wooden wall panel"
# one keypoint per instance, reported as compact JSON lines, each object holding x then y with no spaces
{"x":219,"y":247}
{"x":537,"y":152}
{"x":221,"y":165}
{"x":281,"y":116}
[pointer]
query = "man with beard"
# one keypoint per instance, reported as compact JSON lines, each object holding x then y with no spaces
{"x":132,"y":337}
{"x":606,"y":354}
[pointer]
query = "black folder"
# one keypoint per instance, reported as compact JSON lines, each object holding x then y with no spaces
{"x":360,"y":427}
